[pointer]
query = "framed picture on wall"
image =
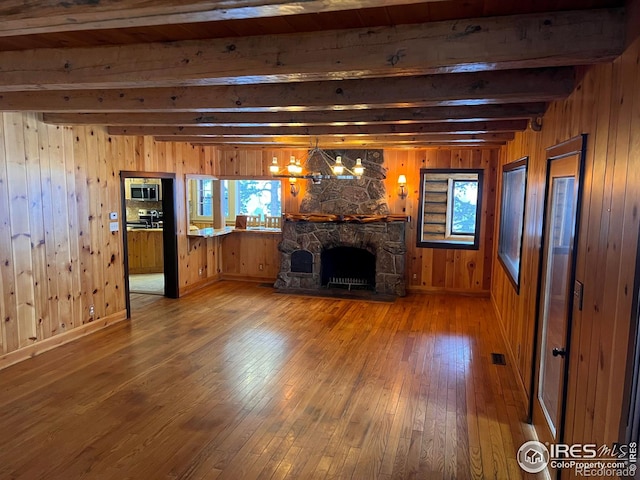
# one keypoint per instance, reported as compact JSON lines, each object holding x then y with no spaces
{"x":512,"y":205}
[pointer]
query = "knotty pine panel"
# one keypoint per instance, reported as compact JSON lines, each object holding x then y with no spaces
{"x":245,"y":252}
{"x":606,"y":106}
{"x":57,"y":255}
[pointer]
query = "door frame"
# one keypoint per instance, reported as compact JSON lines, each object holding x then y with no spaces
{"x":574,"y":146}
{"x":169,"y":231}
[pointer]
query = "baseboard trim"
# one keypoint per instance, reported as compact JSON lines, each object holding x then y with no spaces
{"x":245,"y":278}
{"x":192,"y":287}
{"x":510,"y":355}
{"x":50,"y":343}
{"x":453,"y":291}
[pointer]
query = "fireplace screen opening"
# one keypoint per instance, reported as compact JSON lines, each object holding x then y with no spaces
{"x":348,"y":267}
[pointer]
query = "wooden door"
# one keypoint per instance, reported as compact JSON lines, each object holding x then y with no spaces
{"x":556,"y":288}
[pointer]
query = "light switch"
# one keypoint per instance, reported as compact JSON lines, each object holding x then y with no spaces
{"x":113,"y":215}
{"x":114,"y":226}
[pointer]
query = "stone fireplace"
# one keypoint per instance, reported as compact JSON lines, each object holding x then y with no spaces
{"x":344,"y":236}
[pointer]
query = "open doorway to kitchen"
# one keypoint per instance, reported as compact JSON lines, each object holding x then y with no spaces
{"x":149,"y":233}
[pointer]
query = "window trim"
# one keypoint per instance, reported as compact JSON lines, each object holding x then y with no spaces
{"x":449,"y":240}
{"x":520,"y":164}
{"x":195,"y":200}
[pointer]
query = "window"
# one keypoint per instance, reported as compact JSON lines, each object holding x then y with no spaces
{"x":514,"y":187}
{"x":449,"y":210}
{"x":201,"y":190}
{"x":251,"y":197}
{"x":204,"y":197}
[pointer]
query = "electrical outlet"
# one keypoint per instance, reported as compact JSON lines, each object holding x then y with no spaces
{"x":261,"y":267}
{"x":415,"y":276}
{"x":92,"y":311}
{"x":200,"y":271}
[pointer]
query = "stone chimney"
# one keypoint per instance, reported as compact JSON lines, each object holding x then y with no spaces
{"x":365,"y":196}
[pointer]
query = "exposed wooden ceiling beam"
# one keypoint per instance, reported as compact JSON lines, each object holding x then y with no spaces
{"x":509,"y":86}
{"x":307,"y":141}
{"x":523,"y":41}
{"x":381,"y":129}
{"x":49,"y":16}
{"x":325,"y":117}
{"x":354,"y":144}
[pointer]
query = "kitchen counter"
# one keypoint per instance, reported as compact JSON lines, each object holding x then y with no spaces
{"x":131,"y":229}
{"x":218,"y":232}
{"x":209,"y":232}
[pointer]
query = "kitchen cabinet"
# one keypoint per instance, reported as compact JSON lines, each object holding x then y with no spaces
{"x":145,"y":250}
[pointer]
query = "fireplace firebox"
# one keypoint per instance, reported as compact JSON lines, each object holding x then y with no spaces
{"x":348,"y":267}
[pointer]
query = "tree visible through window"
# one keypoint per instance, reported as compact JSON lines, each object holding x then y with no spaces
{"x":463,"y":215}
{"x":449,"y":210}
{"x":252,"y":197}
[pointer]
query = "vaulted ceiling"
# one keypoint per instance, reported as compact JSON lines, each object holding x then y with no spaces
{"x":257,"y":73}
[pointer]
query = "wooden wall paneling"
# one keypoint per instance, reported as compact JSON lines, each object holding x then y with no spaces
{"x":597,"y":89}
{"x":115,"y":266}
{"x":490,"y":164}
{"x":57,"y":187}
{"x":95,"y":220}
{"x":616,"y":292}
{"x":82,"y":185}
{"x":20,"y":230}
{"x":67,"y":145}
{"x":61,"y":222}
{"x":36,"y":223}
{"x":8,"y":307}
{"x":49,"y":315}
{"x":628,"y":248}
{"x":107,"y":238}
{"x":244,"y":252}
{"x":606,"y":106}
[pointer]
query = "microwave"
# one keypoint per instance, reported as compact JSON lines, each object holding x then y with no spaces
{"x":145,"y":191}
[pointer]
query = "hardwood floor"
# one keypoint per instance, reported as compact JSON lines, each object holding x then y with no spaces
{"x":238,"y":382}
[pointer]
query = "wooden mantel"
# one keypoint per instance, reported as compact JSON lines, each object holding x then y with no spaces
{"x":330,"y":218}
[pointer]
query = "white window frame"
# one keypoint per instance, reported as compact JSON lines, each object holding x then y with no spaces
{"x":194,"y":200}
{"x":449,"y":234}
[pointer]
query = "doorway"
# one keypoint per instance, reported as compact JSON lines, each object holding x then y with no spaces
{"x":556,"y":287}
{"x":149,"y":234}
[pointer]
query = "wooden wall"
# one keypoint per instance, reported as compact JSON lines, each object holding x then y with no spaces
{"x":606,"y":106}
{"x":463,"y":271}
{"x":467,"y":271}
{"x":57,"y":255}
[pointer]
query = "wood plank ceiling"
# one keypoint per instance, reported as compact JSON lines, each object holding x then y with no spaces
{"x":380,"y":73}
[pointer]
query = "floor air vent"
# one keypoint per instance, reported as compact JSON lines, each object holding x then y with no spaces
{"x":498,"y":359}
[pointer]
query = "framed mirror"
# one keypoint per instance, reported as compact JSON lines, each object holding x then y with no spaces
{"x":512,"y":204}
{"x":450,"y":208}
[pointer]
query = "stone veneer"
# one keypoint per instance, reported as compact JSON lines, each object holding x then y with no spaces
{"x":363,"y":196}
{"x":366,"y":195}
{"x":385,"y":240}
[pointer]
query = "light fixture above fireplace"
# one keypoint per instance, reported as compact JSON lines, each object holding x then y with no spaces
{"x":299,"y":168}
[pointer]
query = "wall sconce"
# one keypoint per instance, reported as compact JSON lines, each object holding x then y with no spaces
{"x":402,"y":187}
{"x":294,"y":187}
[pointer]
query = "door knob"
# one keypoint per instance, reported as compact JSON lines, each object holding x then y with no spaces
{"x":559,"y":352}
